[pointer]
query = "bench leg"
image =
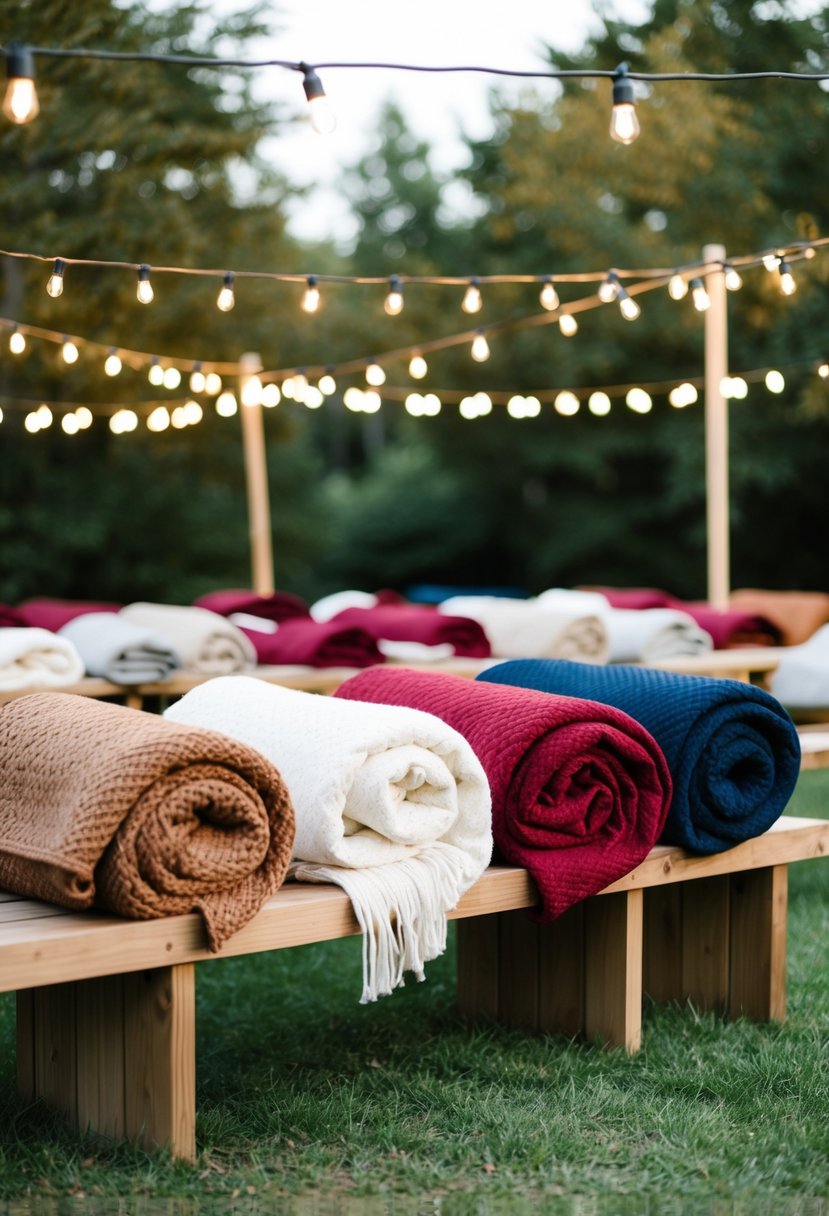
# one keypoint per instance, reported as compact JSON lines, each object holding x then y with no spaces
{"x":759,"y":900}
{"x":116,"y":1055}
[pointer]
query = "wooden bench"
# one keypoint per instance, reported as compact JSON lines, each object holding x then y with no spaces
{"x":106,"y":1006}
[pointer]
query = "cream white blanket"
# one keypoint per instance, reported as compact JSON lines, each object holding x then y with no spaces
{"x":36,"y":658}
{"x":391,"y":804}
{"x":532,"y":629}
{"x":801,"y":680}
{"x":636,"y":636}
{"x":118,"y":650}
{"x":205,"y":642}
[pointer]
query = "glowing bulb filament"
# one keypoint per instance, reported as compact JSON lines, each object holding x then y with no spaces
{"x":624,"y":124}
{"x":20,"y":104}
{"x":55,"y":285}
{"x":226,"y":298}
{"x":393,"y":303}
{"x":787,"y":283}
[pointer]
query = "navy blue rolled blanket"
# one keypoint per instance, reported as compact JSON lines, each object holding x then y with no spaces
{"x":732,"y":749}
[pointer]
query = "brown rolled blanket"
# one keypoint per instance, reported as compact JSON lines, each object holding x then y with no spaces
{"x":105,"y":805}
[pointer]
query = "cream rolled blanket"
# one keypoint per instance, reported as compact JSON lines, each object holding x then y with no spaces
{"x":116,"y":649}
{"x":391,"y":804}
{"x":36,"y":658}
{"x":649,"y":634}
{"x":533,"y":629}
{"x":205,"y":642}
{"x":801,"y":679}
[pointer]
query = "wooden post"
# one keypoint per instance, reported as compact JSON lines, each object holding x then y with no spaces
{"x":716,"y":430}
{"x":256,"y":477}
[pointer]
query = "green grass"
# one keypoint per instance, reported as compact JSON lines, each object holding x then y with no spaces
{"x":304,"y":1092}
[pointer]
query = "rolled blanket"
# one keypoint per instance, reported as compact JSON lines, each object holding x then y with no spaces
{"x":54,"y":614}
{"x":579,"y":790}
{"x":797,"y":614}
{"x":309,"y":642}
{"x":205,"y":642}
{"x":414,"y":623}
{"x":652,"y":634}
{"x":801,"y":679}
{"x":732,"y":749}
{"x":36,"y":658}
{"x":116,"y":649}
{"x":529,"y":627}
{"x":391,"y":805}
{"x":278,"y":606}
{"x":733,"y":627}
{"x":113,"y":806}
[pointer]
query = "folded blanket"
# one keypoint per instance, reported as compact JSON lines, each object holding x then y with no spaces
{"x":413,"y":623}
{"x":36,"y":658}
{"x":636,"y":635}
{"x":390,"y":804}
{"x":531,"y":627}
{"x":733,"y":627}
{"x":801,"y":679}
{"x":278,"y":606}
{"x":116,"y":649}
{"x":113,"y":806}
{"x":204,"y":641}
{"x":797,"y":614}
{"x":579,"y":790}
{"x":732,"y":749}
{"x":311,"y":643}
{"x":53,"y":614}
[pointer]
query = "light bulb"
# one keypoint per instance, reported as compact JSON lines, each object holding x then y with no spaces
{"x":639,"y":401}
{"x":682,"y":395}
{"x":69,"y":351}
{"x":20,"y":105}
{"x":353,"y":398}
{"x":172,"y":378}
{"x":566,"y":403}
{"x":609,"y":289}
{"x":312,"y":398}
{"x":787,"y":284}
{"x":197,"y":380}
{"x":823,"y":371}
{"x":480,"y":348}
{"x":775,"y":382}
{"x":418,"y":367}
{"x":226,"y":405}
{"x":44,"y":415}
{"x":375,"y":375}
{"x":156,"y":373}
{"x":624,"y":124}
{"x":84,"y":416}
{"x":17,"y":342}
{"x":69,"y":424}
{"x":251,"y":391}
{"x":55,"y":285}
{"x":678,"y":287}
{"x":371,"y":401}
{"x":158,"y":419}
{"x":548,"y":297}
{"x":112,"y":364}
{"x":700,"y":296}
{"x":327,"y":385}
{"x":599,"y":404}
{"x":568,"y":325}
{"x":323,"y":119}
{"x":311,"y":299}
{"x":32,"y":423}
{"x":144,"y":290}
{"x":393,"y":303}
{"x":212,"y":384}
{"x":226,"y":298}
{"x":179,"y":418}
{"x":628,"y":307}
{"x":472,"y":299}
{"x":771,"y":261}
{"x":414,"y":404}
{"x":271,"y":396}
{"x":193,"y":412}
{"x":733,"y":279}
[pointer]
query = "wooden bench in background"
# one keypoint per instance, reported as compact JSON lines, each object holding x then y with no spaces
{"x":106,"y":1007}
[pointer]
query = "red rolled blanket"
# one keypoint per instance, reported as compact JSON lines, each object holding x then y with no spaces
{"x":411,"y":623}
{"x":54,"y":614}
{"x":315,"y":644}
{"x":278,"y":606}
{"x":580,"y":790}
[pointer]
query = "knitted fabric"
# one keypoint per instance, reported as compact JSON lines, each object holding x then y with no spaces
{"x":116,"y":649}
{"x":36,"y":658}
{"x":205,"y":642}
{"x":113,"y":806}
{"x":732,"y":749}
{"x":415,"y":623}
{"x":313,"y":643}
{"x":516,"y":628}
{"x":579,"y":791}
{"x":278,"y":606}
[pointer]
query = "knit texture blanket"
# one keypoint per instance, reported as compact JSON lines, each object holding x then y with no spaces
{"x":54,"y":614}
{"x":115,"y":649}
{"x":113,"y":806}
{"x":204,"y":641}
{"x":801,"y":679}
{"x":312,"y":643}
{"x":414,"y":623}
{"x":278,"y":606}
{"x":579,"y":791}
{"x":518,"y":628}
{"x":797,"y":614}
{"x":391,"y":805}
{"x":732,"y":749}
{"x":733,"y":627}
{"x":36,"y":658}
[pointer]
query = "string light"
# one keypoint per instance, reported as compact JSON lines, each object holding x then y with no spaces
{"x":418,"y":367}
{"x":17,"y":342}
{"x":823,"y":371}
{"x":775,"y":381}
{"x":472,"y":299}
{"x":323,"y":119}
{"x":678,"y":287}
{"x":112,"y":363}
{"x":226,"y":405}
{"x":639,"y":401}
{"x":523,"y":407}
{"x":733,"y":278}
{"x":54,"y":286}
{"x":172,"y":378}
{"x":787,"y":283}
{"x":251,"y":393}
{"x":311,"y":297}
{"x":599,"y":404}
{"x":568,"y":325}
{"x":609,"y":289}
{"x":144,"y":290}
{"x":566,"y":403}
{"x":158,"y":419}
{"x":312,"y":398}
{"x":69,"y":424}
{"x":226,"y":298}
{"x":155,"y":375}
{"x":624,"y":124}
{"x":193,"y":412}
{"x":682,"y":395}
{"x":476,"y":406}
{"x":628,"y":307}
{"x":701,"y":298}
{"x":480,"y":347}
{"x":212,"y":384}
{"x":69,"y":351}
{"x":771,"y":261}
{"x":375,"y":375}
{"x":197,"y":379}
{"x":123,"y":421}
{"x":393,"y":303}
{"x":548,"y":296}
{"x":327,"y":385}
{"x":84,"y":417}
{"x":20,"y":104}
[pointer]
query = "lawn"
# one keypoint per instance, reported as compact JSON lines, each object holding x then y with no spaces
{"x":303,"y":1092}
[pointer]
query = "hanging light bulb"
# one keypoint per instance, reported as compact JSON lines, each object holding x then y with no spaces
{"x":599,"y":404}
{"x":69,"y":424}
{"x":311,"y":298}
{"x":624,"y":125}
{"x":112,"y":363}
{"x":733,"y":279}
{"x":771,"y":261}
{"x":787,"y":283}
{"x":775,"y":382}
{"x":226,"y":405}
{"x":251,"y":391}
{"x":84,"y":416}
{"x":179,"y":418}
{"x":226,"y":298}
{"x":17,"y":342}
{"x":212,"y":384}
{"x":156,"y":373}
{"x":32,"y":422}
{"x":628,"y":307}
{"x":271,"y":395}
{"x":197,"y":379}
{"x":566,"y":403}
{"x":472,"y":299}
{"x":639,"y":401}
{"x":69,"y":351}
{"x":327,"y":385}
{"x":548,"y":296}
{"x":20,"y":105}
{"x":375,"y":376}
{"x":418,"y":367}
{"x":193,"y":412}
{"x":678,"y":287}
{"x":700,"y":296}
{"x":54,"y":287}
{"x":480,"y":347}
{"x":45,"y":416}
{"x":323,"y":119}
{"x":682,"y":395}
{"x":172,"y":377}
{"x":568,"y":325}
{"x":823,"y":371}
{"x":144,"y":291}
{"x":610,"y":288}
{"x":393,"y":302}
{"x":158,"y":419}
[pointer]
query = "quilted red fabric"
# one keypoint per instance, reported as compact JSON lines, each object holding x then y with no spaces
{"x":415,"y":623}
{"x":579,"y":790}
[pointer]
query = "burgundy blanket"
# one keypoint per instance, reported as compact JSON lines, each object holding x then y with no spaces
{"x":279,"y":606}
{"x":412,"y":623}
{"x":10,"y":618}
{"x":315,"y":644}
{"x":54,"y":614}
{"x":733,"y":627}
{"x":580,"y":790}
{"x":635,"y":597}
